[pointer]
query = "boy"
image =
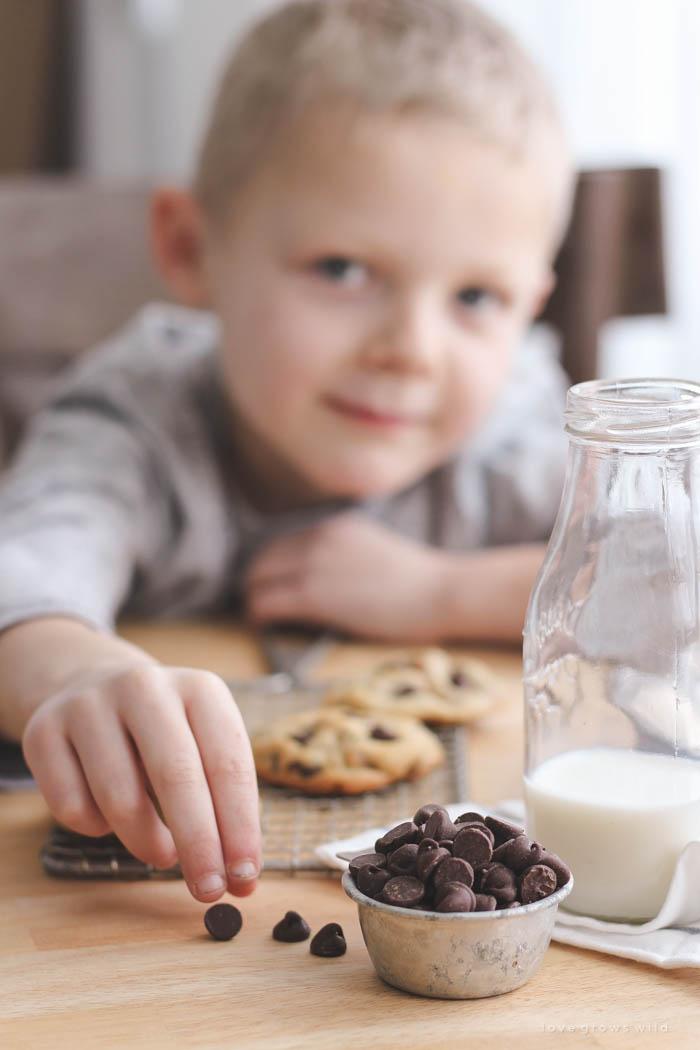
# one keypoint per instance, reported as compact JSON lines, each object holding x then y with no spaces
{"x":379,"y":196}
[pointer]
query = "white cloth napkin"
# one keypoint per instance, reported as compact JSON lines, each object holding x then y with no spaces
{"x":670,"y":940}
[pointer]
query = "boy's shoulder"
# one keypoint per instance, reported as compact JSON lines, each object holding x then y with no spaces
{"x":161,"y":338}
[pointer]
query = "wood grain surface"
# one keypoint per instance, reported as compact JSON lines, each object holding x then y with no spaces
{"x":129,"y":965}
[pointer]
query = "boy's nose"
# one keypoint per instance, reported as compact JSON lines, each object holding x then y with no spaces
{"x":407,"y":339}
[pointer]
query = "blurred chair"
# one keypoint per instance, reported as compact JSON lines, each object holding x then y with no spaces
{"x":74,"y":265}
{"x":611,"y":263}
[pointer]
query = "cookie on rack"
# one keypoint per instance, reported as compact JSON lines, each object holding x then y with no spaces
{"x":333,"y":750}
{"x":429,"y":685}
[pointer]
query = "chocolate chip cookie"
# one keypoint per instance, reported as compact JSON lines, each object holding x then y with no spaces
{"x":332,"y":750}
{"x":429,"y":685}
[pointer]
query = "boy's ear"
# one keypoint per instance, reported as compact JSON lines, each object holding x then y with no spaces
{"x":177,"y":243}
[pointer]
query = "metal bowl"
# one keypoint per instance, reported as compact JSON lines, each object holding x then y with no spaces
{"x":458,"y":955}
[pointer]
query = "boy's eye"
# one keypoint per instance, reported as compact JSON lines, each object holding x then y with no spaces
{"x":340,"y":270}
{"x":476,"y":298}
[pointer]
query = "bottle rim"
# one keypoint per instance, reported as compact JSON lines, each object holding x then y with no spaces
{"x":654,"y":411}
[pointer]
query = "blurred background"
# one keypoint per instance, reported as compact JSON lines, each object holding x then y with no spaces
{"x":115,"y":91}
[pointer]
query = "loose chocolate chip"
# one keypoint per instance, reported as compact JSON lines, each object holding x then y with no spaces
{"x":502,"y":830}
{"x":427,"y":862}
{"x":499,"y":882}
{"x":455,"y":896}
{"x":537,"y":882}
{"x":439,"y":826}
{"x":403,"y":860}
{"x":557,"y":865}
{"x":302,"y":769}
{"x":303,"y":738}
{"x":485,"y":902}
{"x":453,"y":869}
{"x":398,"y":836}
{"x":329,"y":942}
{"x":380,"y":733}
{"x":405,"y":891}
{"x":371,"y":880}
{"x":376,"y":859}
{"x":404,"y":690}
{"x":518,"y":853}
{"x":446,"y":844}
{"x":291,"y":928}
{"x":474,"y":845}
{"x":427,"y":811}
{"x":223,"y":921}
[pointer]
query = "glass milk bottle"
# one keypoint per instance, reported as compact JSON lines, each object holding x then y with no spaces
{"x":612,"y":649}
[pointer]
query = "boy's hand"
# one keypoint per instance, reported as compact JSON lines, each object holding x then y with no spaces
{"x":351,"y":573}
{"x":105,"y":746}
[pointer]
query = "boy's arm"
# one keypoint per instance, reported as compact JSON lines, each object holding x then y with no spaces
{"x":39,"y":657}
{"x":354,"y":574}
{"x":117,"y":742}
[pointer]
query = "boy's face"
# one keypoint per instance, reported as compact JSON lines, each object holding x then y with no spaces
{"x":372,"y":283}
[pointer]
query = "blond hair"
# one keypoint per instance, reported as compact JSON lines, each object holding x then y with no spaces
{"x":446,"y":56}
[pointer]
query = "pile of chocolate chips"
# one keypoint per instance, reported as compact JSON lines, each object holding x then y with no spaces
{"x":475,"y":863}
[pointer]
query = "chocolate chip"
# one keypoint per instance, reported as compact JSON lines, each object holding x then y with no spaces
{"x":502,"y":830}
{"x":476,"y":824}
{"x":427,"y":862}
{"x":404,"y":690}
{"x":427,"y":811}
{"x":376,"y":859}
{"x":291,"y":928}
{"x":461,"y":679}
{"x":439,"y":826}
{"x":380,"y":733}
{"x":485,"y":902}
{"x":405,"y":891}
{"x":455,"y":896}
{"x":223,"y":921}
{"x":303,"y":738}
{"x":398,"y":836}
{"x":403,"y":860}
{"x":537,"y":882}
{"x":499,"y":882}
{"x":453,"y":869}
{"x":469,"y":818}
{"x":329,"y":942}
{"x":557,"y":865}
{"x":474,"y":845}
{"x":518,"y":853}
{"x":302,"y":769}
{"x":372,"y":879}
{"x":446,"y":844}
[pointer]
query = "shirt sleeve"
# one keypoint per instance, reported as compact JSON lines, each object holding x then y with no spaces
{"x":79,"y":513}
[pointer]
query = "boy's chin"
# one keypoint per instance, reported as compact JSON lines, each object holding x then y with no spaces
{"x":366,"y":481}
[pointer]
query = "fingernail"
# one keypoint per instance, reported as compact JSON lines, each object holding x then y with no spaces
{"x":243,"y":869}
{"x":212,"y":883}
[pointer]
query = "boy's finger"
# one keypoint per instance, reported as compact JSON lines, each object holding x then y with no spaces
{"x":230,"y":770}
{"x":167,"y":748}
{"x":61,"y":780}
{"x":118,"y":787}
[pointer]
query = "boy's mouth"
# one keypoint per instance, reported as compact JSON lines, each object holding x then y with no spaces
{"x":362,"y":413}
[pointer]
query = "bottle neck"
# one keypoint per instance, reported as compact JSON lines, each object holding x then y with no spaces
{"x":634,"y":415}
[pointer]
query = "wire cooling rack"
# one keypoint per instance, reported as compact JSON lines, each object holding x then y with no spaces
{"x":293,"y":824}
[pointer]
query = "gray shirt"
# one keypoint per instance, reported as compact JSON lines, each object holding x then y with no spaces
{"x":122,"y":498}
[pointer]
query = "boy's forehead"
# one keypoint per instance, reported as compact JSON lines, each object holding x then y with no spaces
{"x":367,"y":172}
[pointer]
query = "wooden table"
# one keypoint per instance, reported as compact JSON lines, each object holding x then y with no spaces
{"x":129,"y":966}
